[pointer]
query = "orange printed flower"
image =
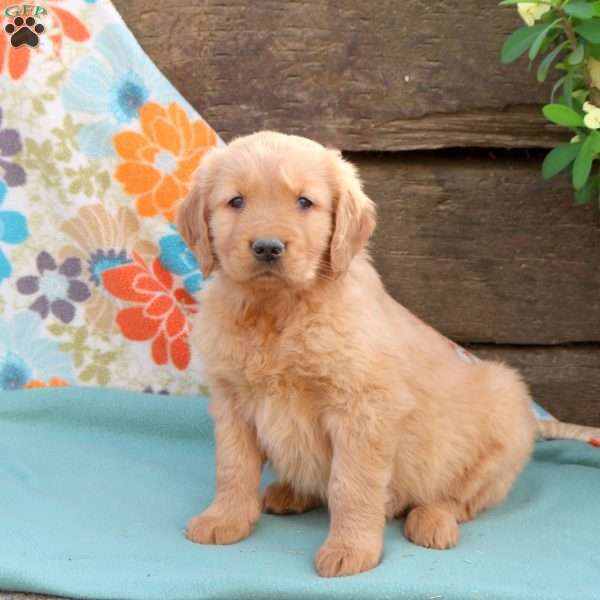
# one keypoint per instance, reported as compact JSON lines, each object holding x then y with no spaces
{"x":158,"y":163}
{"x":38,"y":383}
{"x":158,"y":315}
{"x":58,"y":24}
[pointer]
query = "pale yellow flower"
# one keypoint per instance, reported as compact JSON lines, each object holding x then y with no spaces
{"x":530,"y":12}
{"x":593,"y":66}
{"x":592,"y":117}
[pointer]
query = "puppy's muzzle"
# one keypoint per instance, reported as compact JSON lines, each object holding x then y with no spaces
{"x":268,"y":251}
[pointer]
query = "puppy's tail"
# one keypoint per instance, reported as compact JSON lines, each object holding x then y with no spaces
{"x":549,"y":429}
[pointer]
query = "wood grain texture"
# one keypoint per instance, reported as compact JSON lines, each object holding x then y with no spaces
{"x":388,"y":75}
{"x":565,"y":380}
{"x":484,"y":249}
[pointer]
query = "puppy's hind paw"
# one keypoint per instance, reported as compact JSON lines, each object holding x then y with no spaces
{"x":281,"y":499}
{"x":431,"y":527}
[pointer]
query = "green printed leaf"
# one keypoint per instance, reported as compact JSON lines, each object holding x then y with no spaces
{"x":57,"y":329}
{"x":88,"y":373}
{"x":103,"y":376}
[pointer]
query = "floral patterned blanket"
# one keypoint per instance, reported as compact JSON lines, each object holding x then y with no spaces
{"x":97,"y":149}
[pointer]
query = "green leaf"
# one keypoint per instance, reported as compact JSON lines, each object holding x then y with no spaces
{"x":555,"y":88}
{"x":590,"y":30}
{"x":568,"y":89}
{"x":583,"y":163}
{"x":539,"y":40}
{"x":559,"y":159}
{"x":589,"y":191}
{"x":544,"y":66}
{"x":562,"y":115}
{"x":519,"y":41}
{"x":595,"y":50}
{"x":576,"y":56}
{"x":580,"y":9}
{"x":78,"y":359}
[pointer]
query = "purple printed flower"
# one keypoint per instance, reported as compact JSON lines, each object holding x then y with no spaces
{"x":10,"y":144}
{"x":58,"y":287}
{"x":150,"y":390}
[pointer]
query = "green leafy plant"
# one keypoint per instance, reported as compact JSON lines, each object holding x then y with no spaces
{"x":563,"y":36}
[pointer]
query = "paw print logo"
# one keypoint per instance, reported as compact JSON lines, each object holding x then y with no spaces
{"x":24,"y":31}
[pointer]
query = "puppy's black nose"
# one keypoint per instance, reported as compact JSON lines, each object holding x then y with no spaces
{"x":267,"y":250}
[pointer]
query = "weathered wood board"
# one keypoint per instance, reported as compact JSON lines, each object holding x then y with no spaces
{"x":388,"y":75}
{"x":565,"y":380}
{"x":484,"y":249}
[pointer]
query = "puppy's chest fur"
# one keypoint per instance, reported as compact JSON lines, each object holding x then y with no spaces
{"x":280,"y":387}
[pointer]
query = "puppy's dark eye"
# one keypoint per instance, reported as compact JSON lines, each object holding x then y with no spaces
{"x":304,"y":203}
{"x":237,"y":202}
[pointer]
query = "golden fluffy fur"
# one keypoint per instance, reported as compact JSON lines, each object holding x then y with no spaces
{"x":312,"y":366}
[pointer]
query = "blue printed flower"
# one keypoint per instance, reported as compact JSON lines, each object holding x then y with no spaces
{"x":27,"y":355}
{"x":13,"y":230}
{"x":112,"y":84}
{"x":176,"y":257}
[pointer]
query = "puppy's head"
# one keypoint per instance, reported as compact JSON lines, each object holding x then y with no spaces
{"x":276,"y":209}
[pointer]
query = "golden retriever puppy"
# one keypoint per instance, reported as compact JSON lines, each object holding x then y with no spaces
{"x":355,"y":402}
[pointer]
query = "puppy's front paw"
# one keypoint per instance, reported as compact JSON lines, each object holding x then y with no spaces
{"x":338,"y":560}
{"x":206,"y":529}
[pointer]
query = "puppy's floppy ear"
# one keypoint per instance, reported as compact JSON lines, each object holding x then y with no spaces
{"x":354,"y":215}
{"x":193,"y":215}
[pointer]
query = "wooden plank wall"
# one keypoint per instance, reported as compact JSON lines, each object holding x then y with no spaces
{"x":449,"y":144}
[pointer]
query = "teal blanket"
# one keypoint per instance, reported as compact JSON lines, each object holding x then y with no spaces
{"x":96,"y":486}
